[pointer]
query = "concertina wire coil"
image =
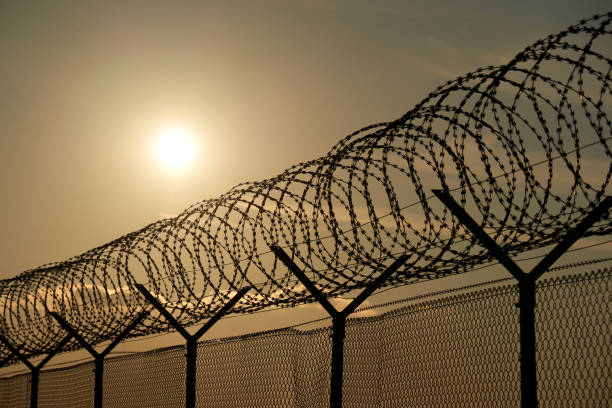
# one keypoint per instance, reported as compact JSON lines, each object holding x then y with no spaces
{"x":524,"y":147}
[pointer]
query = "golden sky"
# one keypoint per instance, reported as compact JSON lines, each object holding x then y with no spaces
{"x":261,"y":85}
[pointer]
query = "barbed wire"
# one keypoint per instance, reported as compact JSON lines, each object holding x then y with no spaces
{"x":481,"y":287}
{"x":508,"y":141}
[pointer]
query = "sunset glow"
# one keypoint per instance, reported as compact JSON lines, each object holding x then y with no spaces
{"x":175,"y":148}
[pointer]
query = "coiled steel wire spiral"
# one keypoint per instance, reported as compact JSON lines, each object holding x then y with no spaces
{"x":525,"y":147}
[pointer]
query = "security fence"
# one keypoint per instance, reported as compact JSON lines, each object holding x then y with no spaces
{"x":457,"y":348}
{"x":524,"y":147}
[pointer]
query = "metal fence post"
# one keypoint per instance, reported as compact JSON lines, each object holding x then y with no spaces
{"x":526,"y":283}
{"x":191,"y":339}
{"x":190,"y":375}
{"x":98,"y":381}
{"x":35,"y":379}
{"x":527,"y":293}
{"x":35,"y":369}
{"x":99,"y":356}
{"x":337,"y":364}
{"x":338,"y":317}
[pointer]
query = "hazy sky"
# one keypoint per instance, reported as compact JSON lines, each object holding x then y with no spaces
{"x":262,"y":85}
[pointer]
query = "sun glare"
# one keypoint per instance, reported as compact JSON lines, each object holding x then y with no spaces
{"x":175,"y":148}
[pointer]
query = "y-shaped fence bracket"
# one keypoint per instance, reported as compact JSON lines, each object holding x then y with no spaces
{"x":338,"y":317}
{"x":191,"y":339}
{"x":526,"y":283}
{"x":34,"y":369}
{"x":99,"y":357}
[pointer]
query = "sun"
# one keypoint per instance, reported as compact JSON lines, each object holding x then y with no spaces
{"x":175,"y":148}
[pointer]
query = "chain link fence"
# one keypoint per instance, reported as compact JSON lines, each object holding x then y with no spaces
{"x":459,"y":349}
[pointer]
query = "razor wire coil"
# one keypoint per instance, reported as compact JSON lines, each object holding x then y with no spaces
{"x":525,"y":147}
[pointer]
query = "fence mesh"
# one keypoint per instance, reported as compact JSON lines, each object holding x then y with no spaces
{"x":459,"y":349}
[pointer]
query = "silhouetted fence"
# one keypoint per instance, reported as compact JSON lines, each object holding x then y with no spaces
{"x":458,"y":348}
{"x":524,"y":147}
